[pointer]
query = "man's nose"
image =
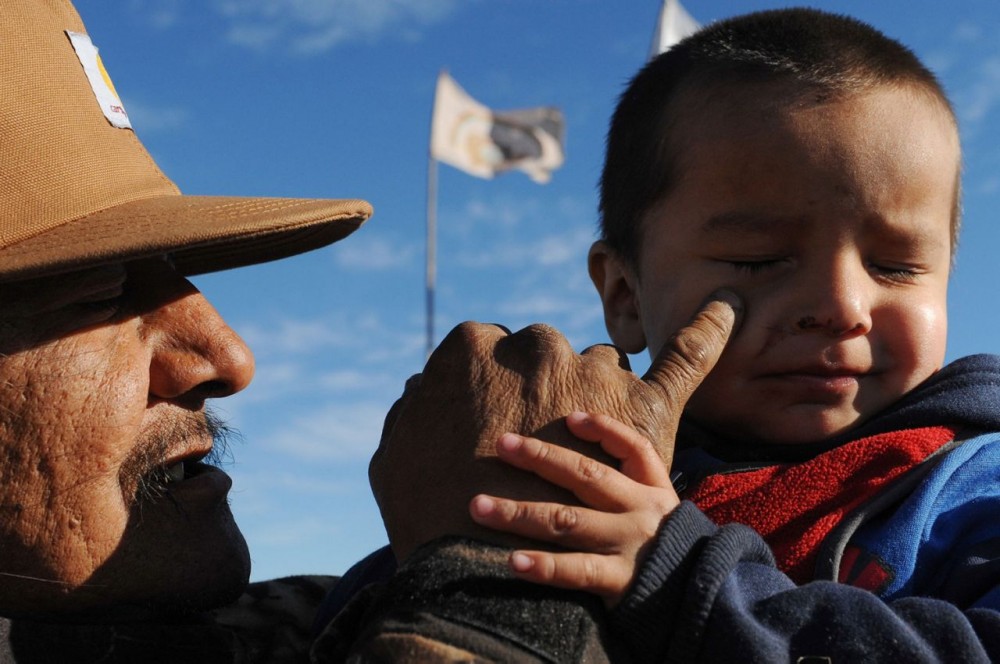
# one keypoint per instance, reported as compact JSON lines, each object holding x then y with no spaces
{"x":196,"y":355}
{"x":836,"y":301}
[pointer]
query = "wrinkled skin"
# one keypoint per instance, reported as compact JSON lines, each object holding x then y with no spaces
{"x":104,"y":378}
{"x":438,"y":444}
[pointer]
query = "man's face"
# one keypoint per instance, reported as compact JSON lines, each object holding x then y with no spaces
{"x":103,"y":381}
{"x":832,"y":222}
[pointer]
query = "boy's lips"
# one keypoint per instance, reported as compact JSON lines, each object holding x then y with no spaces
{"x":819,"y":380}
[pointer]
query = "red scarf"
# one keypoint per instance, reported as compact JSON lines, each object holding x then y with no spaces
{"x":795,"y":506}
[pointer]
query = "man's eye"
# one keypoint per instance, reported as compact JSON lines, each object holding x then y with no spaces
{"x":107,"y":307}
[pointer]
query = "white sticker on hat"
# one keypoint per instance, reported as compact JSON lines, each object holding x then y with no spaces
{"x":100,"y":82}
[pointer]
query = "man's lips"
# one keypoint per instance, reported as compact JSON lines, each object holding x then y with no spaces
{"x":192,"y":482}
{"x":183,"y":464}
{"x":180,"y":470}
{"x":187,"y":478}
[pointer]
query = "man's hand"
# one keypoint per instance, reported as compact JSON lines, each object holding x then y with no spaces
{"x":438,"y":446}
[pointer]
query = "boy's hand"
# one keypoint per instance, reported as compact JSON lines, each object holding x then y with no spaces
{"x":438,"y":446}
{"x":610,"y":535}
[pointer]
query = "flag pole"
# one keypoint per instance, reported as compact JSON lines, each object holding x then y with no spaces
{"x":432,"y":169}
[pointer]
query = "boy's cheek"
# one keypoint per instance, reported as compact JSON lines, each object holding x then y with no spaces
{"x":918,"y":332}
{"x":662,"y":320}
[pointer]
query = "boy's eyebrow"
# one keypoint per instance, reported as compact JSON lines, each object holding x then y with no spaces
{"x":748,"y":223}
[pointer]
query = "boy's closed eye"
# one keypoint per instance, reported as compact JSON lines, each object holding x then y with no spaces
{"x":753,"y":267}
{"x":896,"y":273}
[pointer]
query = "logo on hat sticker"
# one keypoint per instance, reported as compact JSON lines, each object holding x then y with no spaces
{"x":100,"y":82}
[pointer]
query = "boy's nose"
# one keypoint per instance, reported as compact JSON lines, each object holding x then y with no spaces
{"x":836,"y":302}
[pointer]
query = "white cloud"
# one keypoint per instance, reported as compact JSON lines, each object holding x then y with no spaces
{"x":149,"y":119}
{"x":374,"y":253}
{"x":363,"y":336}
{"x":551,"y":251}
{"x":293,"y":336}
{"x":294,"y":532}
{"x":256,"y":37}
{"x":540,"y":306}
{"x":577,"y":316}
{"x":273,"y":377}
{"x":280,"y":381}
{"x":509,"y":211}
{"x":270,"y":482}
{"x":315,"y":26}
{"x":348,"y":380}
{"x":990,"y":185}
{"x":967,"y":31}
{"x":982,"y":96}
{"x":500,"y":211}
{"x":160,"y":14}
{"x":335,"y":432}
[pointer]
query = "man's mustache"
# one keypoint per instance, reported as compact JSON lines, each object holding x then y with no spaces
{"x":143,"y":476}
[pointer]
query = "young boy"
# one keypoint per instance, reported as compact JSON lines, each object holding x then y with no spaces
{"x":811,"y":165}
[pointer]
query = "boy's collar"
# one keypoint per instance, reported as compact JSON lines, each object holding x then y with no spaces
{"x":690,"y":435}
{"x":964,"y":394}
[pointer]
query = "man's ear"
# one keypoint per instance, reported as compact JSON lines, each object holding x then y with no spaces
{"x":616,"y":283}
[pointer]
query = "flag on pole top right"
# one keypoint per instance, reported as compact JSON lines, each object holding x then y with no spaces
{"x":483,"y":142}
{"x":673,"y":25}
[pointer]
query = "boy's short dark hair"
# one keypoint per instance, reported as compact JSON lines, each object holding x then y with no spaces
{"x":804,"y":50}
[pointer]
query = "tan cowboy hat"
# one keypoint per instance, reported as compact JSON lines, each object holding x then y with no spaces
{"x":77,"y":188}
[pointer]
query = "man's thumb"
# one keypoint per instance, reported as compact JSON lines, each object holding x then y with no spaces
{"x":691,"y":353}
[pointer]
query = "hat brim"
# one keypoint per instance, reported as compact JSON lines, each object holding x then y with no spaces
{"x":201,"y":233}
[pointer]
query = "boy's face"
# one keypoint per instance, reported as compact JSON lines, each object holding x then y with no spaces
{"x":832,"y":222}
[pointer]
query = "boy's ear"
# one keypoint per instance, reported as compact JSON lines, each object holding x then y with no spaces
{"x":616,"y":284}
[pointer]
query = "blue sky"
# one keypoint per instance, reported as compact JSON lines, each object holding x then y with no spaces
{"x":332,"y":98}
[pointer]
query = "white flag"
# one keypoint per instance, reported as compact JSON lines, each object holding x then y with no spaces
{"x":673,"y":25}
{"x":482,"y":142}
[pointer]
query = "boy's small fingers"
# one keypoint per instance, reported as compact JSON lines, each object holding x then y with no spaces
{"x":565,"y":525}
{"x":640,"y":460}
{"x":597,"y":574}
{"x":596,"y":484}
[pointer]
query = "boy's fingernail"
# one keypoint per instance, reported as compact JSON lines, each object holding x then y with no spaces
{"x":483,"y":505}
{"x":577,"y":417}
{"x":521,"y":562}
{"x":509,"y":442}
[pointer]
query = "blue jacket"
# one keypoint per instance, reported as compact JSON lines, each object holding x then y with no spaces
{"x":925,"y":549}
{"x":911,"y":572}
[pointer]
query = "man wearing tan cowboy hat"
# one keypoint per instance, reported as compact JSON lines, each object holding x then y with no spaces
{"x":108,"y":354}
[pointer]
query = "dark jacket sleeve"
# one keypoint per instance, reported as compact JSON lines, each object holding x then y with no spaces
{"x":712,"y":594}
{"x":455,"y":600}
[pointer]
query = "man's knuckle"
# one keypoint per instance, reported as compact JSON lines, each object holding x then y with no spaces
{"x":544,"y":340}
{"x":692,"y":350}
